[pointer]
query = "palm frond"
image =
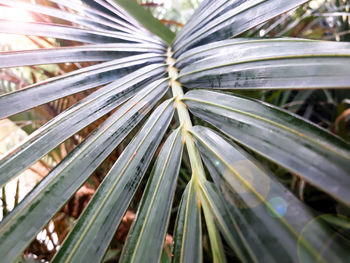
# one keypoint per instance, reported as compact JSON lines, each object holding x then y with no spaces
{"x":126,"y":63}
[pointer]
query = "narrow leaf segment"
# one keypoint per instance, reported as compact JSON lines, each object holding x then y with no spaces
{"x":105,"y":211}
{"x":301,"y":147}
{"x":274,"y":223}
{"x":149,"y":230}
{"x":56,"y":188}
{"x":147,"y":20}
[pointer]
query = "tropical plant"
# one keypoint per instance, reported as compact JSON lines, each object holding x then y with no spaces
{"x":148,"y":76}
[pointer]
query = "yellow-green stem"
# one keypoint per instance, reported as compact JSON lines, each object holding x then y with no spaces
{"x":185,"y":120}
{"x":214,"y":236}
{"x":198,"y":174}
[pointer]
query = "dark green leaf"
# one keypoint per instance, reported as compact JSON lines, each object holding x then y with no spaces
{"x":271,"y":65}
{"x":230,"y":19}
{"x":273,"y":221}
{"x":149,"y":230}
{"x":96,"y":227}
{"x":188,"y":231}
{"x":87,"y":53}
{"x":71,"y":83}
{"x":147,"y":20}
{"x":75,"y":118}
{"x":56,"y":188}
{"x":305,"y":149}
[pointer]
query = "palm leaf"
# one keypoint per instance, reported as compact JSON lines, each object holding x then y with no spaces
{"x":71,"y":83}
{"x":213,"y":233}
{"x":188,"y":232}
{"x":211,"y":49}
{"x":136,"y":65}
{"x":70,"y":174}
{"x":226,"y":223}
{"x":60,"y":128}
{"x":260,"y":204}
{"x":103,"y":16}
{"x":149,"y":229}
{"x":70,"y":17}
{"x":231,"y":19}
{"x":105,"y":211}
{"x":87,"y":53}
{"x":66,"y":32}
{"x":316,"y":155}
{"x":147,"y":20}
{"x":270,"y":65}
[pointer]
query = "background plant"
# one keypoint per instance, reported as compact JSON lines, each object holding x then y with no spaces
{"x":255,"y":214}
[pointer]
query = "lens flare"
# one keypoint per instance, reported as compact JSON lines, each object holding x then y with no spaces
{"x":279,"y":206}
{"x":245,"y":185}
{"x":326,"y":246}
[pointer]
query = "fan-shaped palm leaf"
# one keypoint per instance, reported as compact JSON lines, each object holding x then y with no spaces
{"x":138,"y":60}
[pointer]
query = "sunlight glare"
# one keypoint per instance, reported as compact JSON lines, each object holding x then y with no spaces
{"x":14,"y":14}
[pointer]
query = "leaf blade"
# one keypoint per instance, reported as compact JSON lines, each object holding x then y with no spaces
{"x":216,"y":245}
{"x":71,"y":173}
{"x":83,"y":113}
{"x":107,"y":207}
{"x":233,"y":235}
{"x":154,"y":211}
{"x":66,"y":32}
{"x":277,"y":64}
{"x":256,"y":199}
{"x":147,"y":20}
{"x":237,"y":17}
{"x":87,"y":53}
{"x":301,"y":147}
{"x":71,"y":83}
{"x":188,"y":232}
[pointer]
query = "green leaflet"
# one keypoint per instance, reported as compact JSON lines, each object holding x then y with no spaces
{"x":226,"y":223}
{"x":83,"y":113}
{"x":231,"y":46}
{"x":147,"y":20}
{"x":85,"y":21}
{"x":71,"y":83}
{"x":103,"y":214}
{"x":268,"y":64}
{"x":216,"y":245}
{"x":62,"y":182}
{"x":294,"y":143}
{"x":229,"y":20}
{"x":188,"y":231}
{"x":271,"y":219}
{"x":87,"y":53}
{"x":150,"y":227}
{"x":93,"y":12}
{"x":66,"y":32}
